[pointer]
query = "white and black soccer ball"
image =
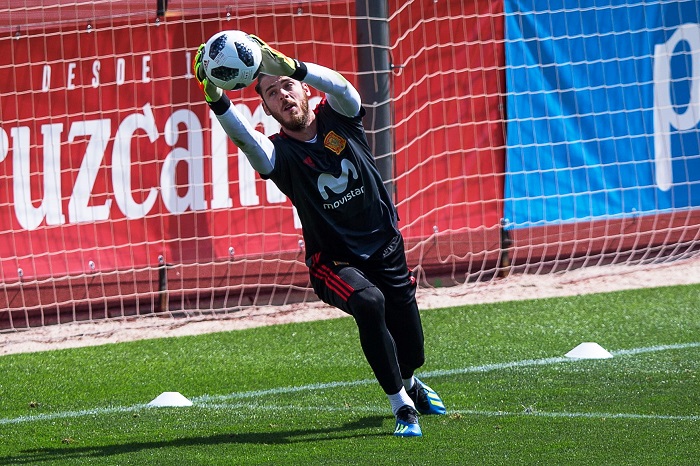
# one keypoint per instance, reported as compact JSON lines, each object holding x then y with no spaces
{"x":231,"y":59}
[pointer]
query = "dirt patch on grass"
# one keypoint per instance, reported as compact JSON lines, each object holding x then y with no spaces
{"x":515,"y":287}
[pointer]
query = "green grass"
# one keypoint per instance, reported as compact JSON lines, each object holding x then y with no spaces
{"x":512,"y":398}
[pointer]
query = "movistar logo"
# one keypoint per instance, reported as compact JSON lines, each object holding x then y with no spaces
{"x":337,"y":185}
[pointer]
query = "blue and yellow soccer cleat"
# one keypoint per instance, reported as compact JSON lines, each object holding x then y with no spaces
{"x":407,"y":423}
{"x":425,"y":399}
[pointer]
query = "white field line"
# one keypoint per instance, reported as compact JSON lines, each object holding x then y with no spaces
{"x":214,"y":401}
{"x":468,"y":412}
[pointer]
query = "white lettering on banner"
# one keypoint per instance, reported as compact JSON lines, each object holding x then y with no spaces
{"x":146,"y":69}
{"x":4,"y":144}
{"x":28,"y":216}
{"x":193,"y":156}
{"x":95,"y":135}
{"x":73,"y":79}
{"x":99,"y":132}
{"x":46,"y":78}
{"x":70,"y":85}
{"x":188,"y":65}
{"x":96,"y":73}
{"x":121,"y":163}
{"x":666,"y":119}
{"x":120,"y":72}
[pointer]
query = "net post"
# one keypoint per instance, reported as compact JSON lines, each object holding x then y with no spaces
{"x":161,"y":8}
{"x":374,"y":67}
{"x":504,"y":262}
{"x":162,"y":285}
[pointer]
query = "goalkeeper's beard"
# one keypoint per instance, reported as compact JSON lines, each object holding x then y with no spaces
{"x":298,"y":121}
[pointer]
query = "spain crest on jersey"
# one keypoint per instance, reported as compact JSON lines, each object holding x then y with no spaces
{"x":334,"y":142}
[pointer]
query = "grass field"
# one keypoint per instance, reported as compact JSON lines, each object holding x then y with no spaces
{"x":302,"y":394}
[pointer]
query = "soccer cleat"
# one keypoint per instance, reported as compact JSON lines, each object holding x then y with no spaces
{"x":425,"y":398}
{"x":407,"y":422}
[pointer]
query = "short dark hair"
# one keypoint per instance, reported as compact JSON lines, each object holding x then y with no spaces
{"x":258,"y":89}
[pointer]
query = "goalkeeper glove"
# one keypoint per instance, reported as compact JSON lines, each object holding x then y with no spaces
{"x":276,"y":63}
{"x":212,"y":93}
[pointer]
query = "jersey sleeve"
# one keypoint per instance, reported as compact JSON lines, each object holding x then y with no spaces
{"x":341,"y":95}
{"x":257,"y":148}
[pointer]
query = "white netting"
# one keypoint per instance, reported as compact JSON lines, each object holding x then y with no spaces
{"x":121,"y":196}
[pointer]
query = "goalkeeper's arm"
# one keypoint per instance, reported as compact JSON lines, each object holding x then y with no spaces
{"x":341,"y":95}
{"x":258,"y":149}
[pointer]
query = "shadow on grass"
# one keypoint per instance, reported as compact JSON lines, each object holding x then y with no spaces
{"x":349,"y":430}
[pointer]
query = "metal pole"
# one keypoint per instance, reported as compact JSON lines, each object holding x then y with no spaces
{"x":375,"y":82}
{"x":161,"y":7}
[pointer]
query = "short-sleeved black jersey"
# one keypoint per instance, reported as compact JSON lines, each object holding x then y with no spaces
{"x":333,"y":182}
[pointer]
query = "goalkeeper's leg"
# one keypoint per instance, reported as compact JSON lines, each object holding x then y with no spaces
{"x":404,"y":323}
{"x":348,"y":289}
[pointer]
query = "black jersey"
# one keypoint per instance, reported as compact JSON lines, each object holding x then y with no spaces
{"x":333,"y":182}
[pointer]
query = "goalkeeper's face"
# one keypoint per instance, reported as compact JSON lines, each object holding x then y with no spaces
{"x":286,"y":100}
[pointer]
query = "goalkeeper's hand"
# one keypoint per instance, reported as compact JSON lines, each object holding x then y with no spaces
{"x":212,"y":93}
{"x":274,"y":62}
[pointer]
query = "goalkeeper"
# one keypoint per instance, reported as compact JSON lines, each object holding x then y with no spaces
{"x":355,"y":253}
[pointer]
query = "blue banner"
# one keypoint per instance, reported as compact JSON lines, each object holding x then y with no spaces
{"x":603,"y":109}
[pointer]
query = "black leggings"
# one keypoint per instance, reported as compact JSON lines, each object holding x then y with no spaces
{"x":380,"y":294}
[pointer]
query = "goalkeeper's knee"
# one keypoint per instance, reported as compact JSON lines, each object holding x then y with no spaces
{"x":367,"y":307}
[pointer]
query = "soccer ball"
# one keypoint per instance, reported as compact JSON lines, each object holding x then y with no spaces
{"x":231,"y":60}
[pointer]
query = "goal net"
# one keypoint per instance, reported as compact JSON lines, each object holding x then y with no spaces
{"x":516,"y":137}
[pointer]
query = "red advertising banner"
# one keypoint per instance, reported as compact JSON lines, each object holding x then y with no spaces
{"x":110,"y":159}
{"x":449,"y":90}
